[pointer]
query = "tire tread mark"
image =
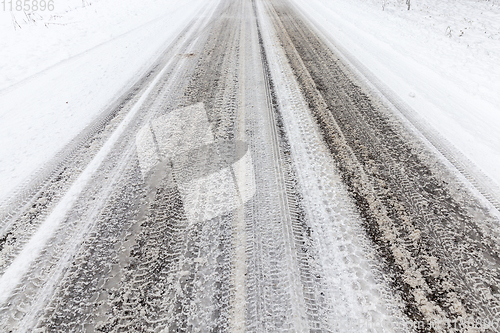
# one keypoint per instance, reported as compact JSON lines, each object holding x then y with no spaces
{"x":395,"y":204}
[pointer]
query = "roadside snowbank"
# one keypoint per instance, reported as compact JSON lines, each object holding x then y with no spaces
{"x":59,"y":72}
{"x":441,"y":58}
{"x":28,"y":46}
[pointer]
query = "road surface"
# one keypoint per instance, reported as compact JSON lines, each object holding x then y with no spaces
{"x":252,"y":181}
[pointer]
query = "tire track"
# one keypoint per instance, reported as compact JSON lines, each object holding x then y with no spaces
{"x":422,"y":224}
{"x":311,"y":296}
{"x":179,"y":276}
{"x":31,"y":203}
{"x":40,"y":283}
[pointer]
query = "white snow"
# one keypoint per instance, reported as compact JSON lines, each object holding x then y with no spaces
{"x":442,"y":58}
{"x":13,"y":274}
{"x":60,"y":72}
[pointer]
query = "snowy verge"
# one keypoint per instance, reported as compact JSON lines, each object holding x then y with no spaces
{"x":450,"y":80}
{"x":34,"y":41}
{"x":41,"y":114}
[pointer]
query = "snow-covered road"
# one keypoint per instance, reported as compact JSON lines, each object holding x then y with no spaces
{"x":238,"y":174}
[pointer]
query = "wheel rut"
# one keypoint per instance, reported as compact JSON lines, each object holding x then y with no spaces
{"x":429,"y":230}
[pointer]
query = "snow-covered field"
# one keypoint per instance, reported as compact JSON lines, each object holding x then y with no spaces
{"x":28,"y":47}
{"x":61,"y":69}
{"x":441,"y":58}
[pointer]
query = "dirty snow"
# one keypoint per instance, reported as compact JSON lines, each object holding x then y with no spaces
{"x":441,"y":58}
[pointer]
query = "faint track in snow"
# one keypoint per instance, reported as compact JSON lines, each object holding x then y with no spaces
{"x":309,"y":301}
